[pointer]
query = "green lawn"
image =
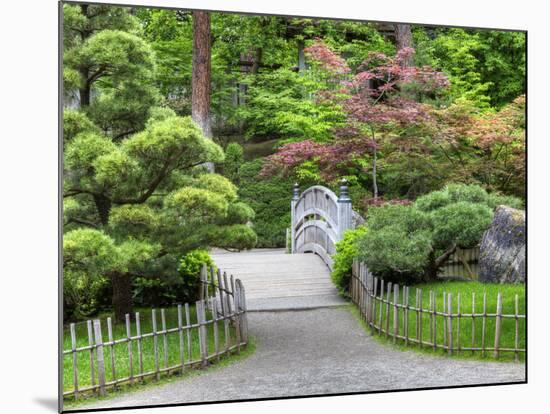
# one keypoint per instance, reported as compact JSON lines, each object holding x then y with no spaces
{"x":120,"y":351}
{"x":462,"y":329}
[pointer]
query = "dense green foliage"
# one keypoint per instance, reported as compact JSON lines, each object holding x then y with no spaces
{"x":346,"y":251}
{"x":280,"y":105}
{"x":486,"y":67}
{"x":270,"y":198}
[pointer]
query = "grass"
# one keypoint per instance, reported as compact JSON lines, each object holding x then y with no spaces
{"x":120,"y":351}
{"x":462,"y":334}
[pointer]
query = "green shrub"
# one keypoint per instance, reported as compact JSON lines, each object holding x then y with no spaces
{"x":496,"y":199}
{"x":397,"y":242}
{"x":346,"y":251}
{"x":452,"y":193}
{"x":190,"y":270}
{"x":239,"y":213}
{"x":461,"y":223}
{"x":269,"y":197}
{"x":88,"y":255}
{"x":235,"y":237}
{"x":150,"y":292}
{"x":182,"y":288}
{"x":234,"y":158}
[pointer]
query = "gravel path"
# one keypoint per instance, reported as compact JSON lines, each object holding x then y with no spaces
{"x":318,"y":351}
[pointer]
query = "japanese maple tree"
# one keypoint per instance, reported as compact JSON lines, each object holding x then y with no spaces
{"x":383,"y":95}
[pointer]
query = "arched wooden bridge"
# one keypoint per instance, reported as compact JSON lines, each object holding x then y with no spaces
{"x":275,"y":279}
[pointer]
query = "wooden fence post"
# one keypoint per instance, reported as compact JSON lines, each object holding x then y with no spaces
{"x":432,"y":317}
{"x":417,"y":318}
{"x":473,"y":321}
{"x":180,"y":337}
{"x":214,"y":307}
{"x":100,"y":359}
{"x":444,"y":312}
{"x":130,"y":356}
{"x":75,"y":360}
{"x":406,"y":314}
{"x":220,"y":290}
{"x":91,"y":344}
{"x":380,"y":305}
{"x":245,"y":314}
{"x":227,"y":295}
{"x":458,"y":323}
{"x":111,"y":347}
{"x":421,"y":314}
{"x":373,"y":304}
{"x":516,"y":339}
{"x":139,"y":346}
{"x":450,"y":323}
{"x":155,"y":342}
{"x":164,"y":336}
{"x":395,"y":312}
{"x":483,"y":323}
{"x":498,"y":325}
{"x":364,"y":293}
{"x":188,"y":333}
{"x":204,"y":284}
{"x":236,"y":301}
{"x":201,"y":319}
{"x":388,"y":297}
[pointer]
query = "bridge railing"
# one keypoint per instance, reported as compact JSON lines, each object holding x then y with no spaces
{"x":319,"y":219}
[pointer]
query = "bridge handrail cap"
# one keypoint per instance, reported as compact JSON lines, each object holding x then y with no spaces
{"x":323,"y":189}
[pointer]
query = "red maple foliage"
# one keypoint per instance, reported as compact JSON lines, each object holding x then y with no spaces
{"x":371,"y":98}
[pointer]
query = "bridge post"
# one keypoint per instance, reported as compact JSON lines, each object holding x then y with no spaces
{"x":345,"y":219}
{"x":295,"y":197}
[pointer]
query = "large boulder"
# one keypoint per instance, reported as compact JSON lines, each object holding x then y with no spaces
{"x":502,"y":249}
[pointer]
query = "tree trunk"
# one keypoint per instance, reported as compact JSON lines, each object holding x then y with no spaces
{"x":434,"y":264}
{"x":122,"y":295}
{"x":103,"y":205}
{"x":403,"y":38}
{"x":84,"y":92}
{"x":200,"y":98}
{"x":374,"y":178}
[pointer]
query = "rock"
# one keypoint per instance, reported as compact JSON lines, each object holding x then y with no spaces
{"x":502,"y":249}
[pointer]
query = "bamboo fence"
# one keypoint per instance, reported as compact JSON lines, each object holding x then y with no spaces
{"x":385,"y":308}
{"x":463,"y":263}
{"x":222,"y":305}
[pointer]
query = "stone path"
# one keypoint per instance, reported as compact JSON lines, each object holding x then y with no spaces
{"x":313,"y":347}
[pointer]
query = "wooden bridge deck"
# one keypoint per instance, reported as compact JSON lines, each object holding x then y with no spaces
{"x":275,"y":280}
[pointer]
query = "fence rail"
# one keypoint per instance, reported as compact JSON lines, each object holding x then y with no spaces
{"x":385,"y":308}
{"x":221,"y":313}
